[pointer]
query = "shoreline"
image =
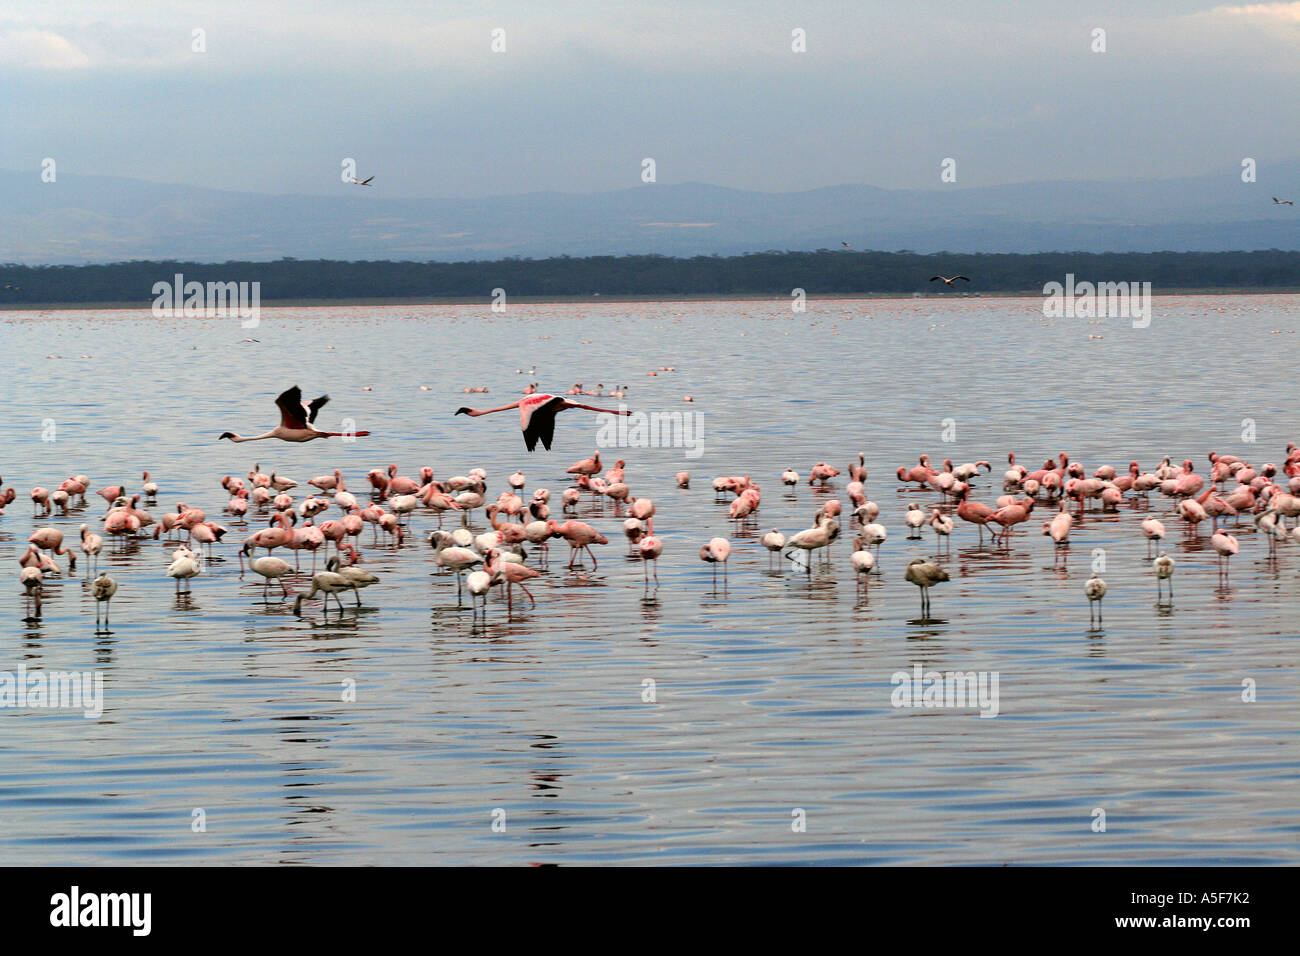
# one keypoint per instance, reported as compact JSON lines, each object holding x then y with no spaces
{"x":597,"y":299}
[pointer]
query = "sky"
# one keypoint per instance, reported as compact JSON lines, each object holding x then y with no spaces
{"x":283,"y":92}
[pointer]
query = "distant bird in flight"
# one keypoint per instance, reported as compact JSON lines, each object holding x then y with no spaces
{"x":537,"y":416}
{"x":948,"y":281}
{"x":844,"y":244}
{"x":361,"y":182}
{"x":1282,"y":202}
{"x":296,"y":417}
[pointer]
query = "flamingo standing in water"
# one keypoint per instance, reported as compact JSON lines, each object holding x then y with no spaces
{"x":649,"y":548}
{"x":581,"y":537}
{"x":537,"y":415}
{"x":716,"y":552}
{"x":92,"y":544}
{"x":1226,"y":546}
{"x":296,"y":418}
{"x":925,"y":575}
{"x":510,"y":573}
{"x":1163,"y":565}
{"x":102,"y":590}
{"x":1094,"y":590}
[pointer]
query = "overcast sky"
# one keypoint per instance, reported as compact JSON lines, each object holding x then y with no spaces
{"x":585,"y":90}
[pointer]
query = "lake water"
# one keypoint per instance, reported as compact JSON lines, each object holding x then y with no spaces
{"x":772,"y":694}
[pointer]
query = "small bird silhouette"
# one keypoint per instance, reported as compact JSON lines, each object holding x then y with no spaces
{"x":361,"y":182}
{"x":947,"y":281}
{"x":1282,"y":202}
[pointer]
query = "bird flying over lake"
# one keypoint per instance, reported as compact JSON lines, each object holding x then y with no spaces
{"x":1282,"y":202}
{"x":296,"y":417}
{"x":537,"y":416}
{"x":948,"y":281}
{"x":844,"y":244}
{"x":361,"y":182}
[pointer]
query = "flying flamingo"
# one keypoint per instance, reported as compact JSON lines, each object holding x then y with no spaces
{"x":296,"y":417}
{"x":537,"y":416}
{"x":947,"y":281}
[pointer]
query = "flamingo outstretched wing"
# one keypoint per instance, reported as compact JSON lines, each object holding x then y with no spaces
{"x":292,"y":412}
{"x":314,"y":407}
{"x":539,"y":422}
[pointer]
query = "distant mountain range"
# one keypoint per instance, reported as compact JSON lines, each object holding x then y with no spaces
{"x":82,"y":219}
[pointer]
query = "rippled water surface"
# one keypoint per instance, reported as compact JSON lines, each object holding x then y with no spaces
{"x":772,"y":688}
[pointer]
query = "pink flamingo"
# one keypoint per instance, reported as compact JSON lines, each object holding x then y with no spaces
{"x":919,"y":473}
{"x":296,"y":417}
{"x":400,"y":485}
{"x":537,"y":416}
{"x":716,"y":552}
{"x":976,"y":513}
{"x":581,"y":537}
{"x":111,"y":493}
{"x":1188,"y":483}
{"x":822,"y":472}
{"x":650,"y":548}
{"x":1226,"y":546}
{"x":1058,"y":529}
{"x":585,"y":468}
{"x":511,"y":573}
{"x":278,"y":535}
{"x":51,"y":539}
{"x":332,"y":482}
{"x":1011,"y":515}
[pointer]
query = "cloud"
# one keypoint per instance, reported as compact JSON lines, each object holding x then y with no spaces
{"x":41,"y":50}
{"x":1281,"y":12}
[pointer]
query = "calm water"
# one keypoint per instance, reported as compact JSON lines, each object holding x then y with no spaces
{"x":772,"y":694}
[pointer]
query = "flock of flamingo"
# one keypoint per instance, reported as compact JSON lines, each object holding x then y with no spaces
{"x":494,"y":553}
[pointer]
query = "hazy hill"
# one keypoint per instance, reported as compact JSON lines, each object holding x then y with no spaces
{"x":101,"y":219}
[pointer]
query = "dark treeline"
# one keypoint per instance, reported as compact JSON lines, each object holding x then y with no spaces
{"x":776,"y":273}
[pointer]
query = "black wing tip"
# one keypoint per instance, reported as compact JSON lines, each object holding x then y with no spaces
{"x":226,"y":435}
{"x":463,"y":410}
